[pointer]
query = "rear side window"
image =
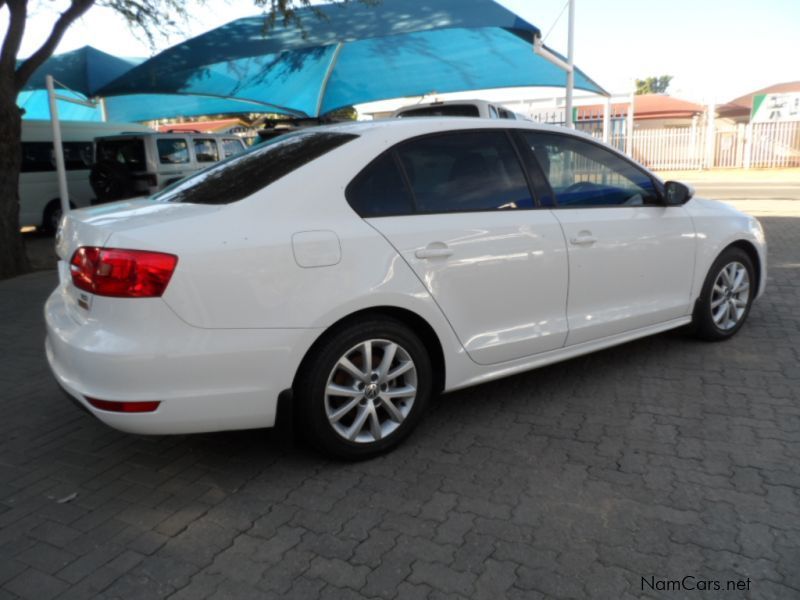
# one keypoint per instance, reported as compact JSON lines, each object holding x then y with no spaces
{"x":205,"y":150}
{"x":465,"y":171}
{"x":444,"y":110}
{"x":241,"y":176}
{"x":172,"y":151}
{"x":379,"y":190}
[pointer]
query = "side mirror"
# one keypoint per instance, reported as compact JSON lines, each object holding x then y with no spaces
{"x":677,"y":193}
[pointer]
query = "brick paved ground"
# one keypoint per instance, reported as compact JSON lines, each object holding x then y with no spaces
{"x":664,"y":457}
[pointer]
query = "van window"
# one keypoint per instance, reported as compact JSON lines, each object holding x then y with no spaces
{"x":172,"y":151}
{"x":77,"y":155}
{"x":126,"y":151}
{"x":205,"y":150}
{"x":442,"y":110}
{"x":232,"y":147}
{"x":39,"y":157}
{"x":241,"y":176}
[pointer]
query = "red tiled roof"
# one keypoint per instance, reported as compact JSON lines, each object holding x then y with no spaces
{"x":202,"y":126}
{"x":648,"y":106}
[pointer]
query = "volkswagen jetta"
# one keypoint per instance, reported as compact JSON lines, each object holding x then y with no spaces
{"x":366,"y":267}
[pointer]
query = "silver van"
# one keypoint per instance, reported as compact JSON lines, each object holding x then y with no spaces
{"x":140,"y":164}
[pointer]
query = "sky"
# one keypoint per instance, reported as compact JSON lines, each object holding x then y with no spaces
{"x":716,"y":50}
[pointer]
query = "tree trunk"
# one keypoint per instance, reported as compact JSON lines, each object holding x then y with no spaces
{"x":13,"y":260}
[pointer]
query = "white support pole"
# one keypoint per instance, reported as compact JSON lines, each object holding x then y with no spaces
{"x":711,"y":136}
{"x":571,"y":63}
{"x":607,"y":119}
{"x":103,"y":113}
{"x":629,"y":127}
{"x":748,"y":145}
{"x":58,"y":148}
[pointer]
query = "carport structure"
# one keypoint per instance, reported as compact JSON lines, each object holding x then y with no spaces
{"x":346,"y":54}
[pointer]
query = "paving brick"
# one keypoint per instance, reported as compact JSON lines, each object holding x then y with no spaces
{"x":35,"y":585}
{"x":443,"y":578}
{"x":662,"y":456}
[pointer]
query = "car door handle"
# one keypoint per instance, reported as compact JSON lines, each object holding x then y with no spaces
{"x":434,"y":251}
{"x":583,"y":240}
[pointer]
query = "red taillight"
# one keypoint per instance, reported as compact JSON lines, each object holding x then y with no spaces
{"x":124,"y":407}
{"x":122,"y":273}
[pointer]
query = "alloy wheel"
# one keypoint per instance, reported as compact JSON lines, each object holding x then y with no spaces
{"x":370,"y":391}
{"x":730,"y":295}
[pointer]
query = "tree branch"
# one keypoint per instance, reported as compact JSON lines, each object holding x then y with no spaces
{"x":17,"y":15}
{"x":76,"y":9}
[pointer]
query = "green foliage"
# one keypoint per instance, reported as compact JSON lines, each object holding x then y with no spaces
{"x":653,"y":85}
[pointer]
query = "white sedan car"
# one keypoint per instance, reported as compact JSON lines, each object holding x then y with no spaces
{"x":366,"y":267}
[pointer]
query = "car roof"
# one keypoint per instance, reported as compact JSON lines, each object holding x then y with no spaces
{"x":398,"y":129}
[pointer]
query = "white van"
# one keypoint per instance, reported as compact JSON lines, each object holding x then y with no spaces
{"x":39,"y":204}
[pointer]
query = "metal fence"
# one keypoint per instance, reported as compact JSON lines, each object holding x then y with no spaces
{"x":762,"y":145}
{"x":708,"y":143}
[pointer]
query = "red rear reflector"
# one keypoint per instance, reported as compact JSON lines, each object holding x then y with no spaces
{"x":124,"y":407}
{"x":122,"y":273}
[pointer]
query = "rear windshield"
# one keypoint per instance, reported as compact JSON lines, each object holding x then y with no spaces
{"x":243,"y":175}
{"x":128,"y":151}
{"x":445,"y":110}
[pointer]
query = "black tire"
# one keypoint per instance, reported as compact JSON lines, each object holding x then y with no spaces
{"x":311,"y":405}
{"x":703,"y":322}
{"x":111,"y":181}
{"x":52,"y":215}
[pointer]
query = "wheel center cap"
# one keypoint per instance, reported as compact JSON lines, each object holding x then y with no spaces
{"x":372,"y":391}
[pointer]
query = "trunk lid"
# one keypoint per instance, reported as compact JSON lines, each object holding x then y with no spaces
{"x":93,"y":226}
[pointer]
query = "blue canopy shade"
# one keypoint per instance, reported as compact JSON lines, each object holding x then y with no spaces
{"x":135,"y":108}
{"x":84,"y":70}
{"x":355,"y":53}
{"x":36,"y":106}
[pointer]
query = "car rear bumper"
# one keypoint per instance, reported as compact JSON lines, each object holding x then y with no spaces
{"x":205,"y":379}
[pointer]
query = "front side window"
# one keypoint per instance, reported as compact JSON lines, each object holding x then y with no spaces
{"x":465,"y":171}
{"x":584,"y":174}
{"x":172,"y":151}
{"x":243,"y":175}
{"x":205,"y":150}
{"x":379,"y":190}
